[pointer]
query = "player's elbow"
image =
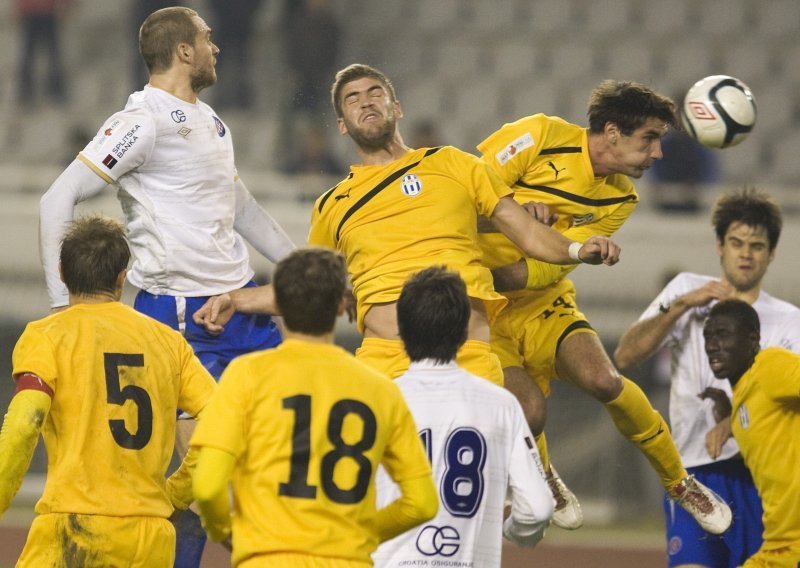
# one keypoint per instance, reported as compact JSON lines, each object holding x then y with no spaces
{"x":428,"y":504}
{"x":428,"y":510}
{"x":624,"y":357}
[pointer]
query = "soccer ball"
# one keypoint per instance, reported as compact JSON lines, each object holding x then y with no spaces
{"x":719,"y":111}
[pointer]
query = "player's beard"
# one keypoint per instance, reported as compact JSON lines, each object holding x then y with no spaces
{"x":203,"y":78}
{"x":370,"y":139}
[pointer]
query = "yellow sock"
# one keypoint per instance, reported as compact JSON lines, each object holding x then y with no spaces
{"x":640,"y":423}
{"x":541,"y":445}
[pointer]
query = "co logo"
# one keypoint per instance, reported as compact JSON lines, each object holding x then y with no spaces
{"x":433,"y":540}
{"x":178,"y":116}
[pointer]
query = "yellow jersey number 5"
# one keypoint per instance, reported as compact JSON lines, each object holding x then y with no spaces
{"x":136,"y":394}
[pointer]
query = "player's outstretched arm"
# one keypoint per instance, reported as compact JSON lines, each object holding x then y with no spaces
{"x":258,"y":227}
{"x":56,"y":210}
{"x":210,"y":487}
{"x":417,"y":503}
{"x":531,"y":500}
{"x":644,"y":337}
{"x":218,"y":310}
{"x":20,"y":432}
{"x":544,"y":243}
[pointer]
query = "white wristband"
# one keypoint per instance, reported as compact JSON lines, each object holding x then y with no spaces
{"x":574,"y":250}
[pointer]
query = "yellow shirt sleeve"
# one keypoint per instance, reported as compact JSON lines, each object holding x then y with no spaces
{"x":223,"y":423}
{"x":417,"y":503}
{"x":33,"y":353}
{"x":23,"y":422}
{"x":210,"y":486}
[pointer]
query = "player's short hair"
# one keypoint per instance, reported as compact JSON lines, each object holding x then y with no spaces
{"x":161,"y":33}
{"x":309,"y":287}
{"x":753,"y":208}
{"x":745,"y":315}
{"x":432,"y":314}
{"x":355,"y":72}
{"x":628,"y":105}
{"x":93,"y":253}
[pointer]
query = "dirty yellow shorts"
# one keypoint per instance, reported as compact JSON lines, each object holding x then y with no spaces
{"x":96,"y":541}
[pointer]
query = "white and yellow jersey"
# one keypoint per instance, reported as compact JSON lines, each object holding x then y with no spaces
{"x":172,"y":165}
{"x":690,"y":417}
{"x":481,"y":451}
{"x":308,"y":424}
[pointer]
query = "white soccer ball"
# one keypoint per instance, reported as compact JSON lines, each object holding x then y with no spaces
{"x":719,"y":111}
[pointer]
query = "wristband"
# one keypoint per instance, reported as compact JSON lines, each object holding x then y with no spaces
{"x":574,"y":251}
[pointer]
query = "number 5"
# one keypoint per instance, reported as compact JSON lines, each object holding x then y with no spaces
{"x":139,"y":396}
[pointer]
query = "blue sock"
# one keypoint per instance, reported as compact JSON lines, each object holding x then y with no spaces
{"x":190,"y":539}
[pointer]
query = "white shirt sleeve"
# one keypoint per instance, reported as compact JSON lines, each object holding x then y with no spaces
{"x":258,"y":227}
{"x":56,"y":210}
{"x":532,"y":502}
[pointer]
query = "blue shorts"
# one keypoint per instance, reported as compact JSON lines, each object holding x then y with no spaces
{"x":687,"y":543}
{"x":243,"y":334}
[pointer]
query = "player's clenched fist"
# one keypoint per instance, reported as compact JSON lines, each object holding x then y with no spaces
{"x":599,"y":250}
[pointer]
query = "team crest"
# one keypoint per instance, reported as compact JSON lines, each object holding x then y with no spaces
{"x":744,"y":417}
{"x":411,"y":185}
{"x":578,"y":220}
{"x":675,"y":545}
{"x":220,"y":127}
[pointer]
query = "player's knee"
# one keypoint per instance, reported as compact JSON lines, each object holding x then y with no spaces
{"x":605,"y":386}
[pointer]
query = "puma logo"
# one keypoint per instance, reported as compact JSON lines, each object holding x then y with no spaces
{"x":342,"y":196}
{"x":555,"y":169}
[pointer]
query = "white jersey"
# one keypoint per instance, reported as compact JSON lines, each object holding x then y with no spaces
{"x":480,"y":449}
{"x":690,"y":417}
{"x":172,"y":164}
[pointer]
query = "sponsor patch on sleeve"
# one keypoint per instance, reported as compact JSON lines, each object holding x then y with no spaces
{"x":516,"y":146}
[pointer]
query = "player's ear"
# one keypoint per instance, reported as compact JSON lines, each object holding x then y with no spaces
{"x":61,"y":272}
{"x":612,"y":132}
{"x":120,"y":281}
{"x":342,"y":307}
{"x":184,"y":52}
{"x":398,"y":110}
{"x":342,"y":126}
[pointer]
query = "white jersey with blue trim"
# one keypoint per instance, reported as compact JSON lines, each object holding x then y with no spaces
{"x":172,"y":164}
{"x":690,"y":417}
{"x":481,"y":450}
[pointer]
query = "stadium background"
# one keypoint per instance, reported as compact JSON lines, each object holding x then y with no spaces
{"x":468,"y":65}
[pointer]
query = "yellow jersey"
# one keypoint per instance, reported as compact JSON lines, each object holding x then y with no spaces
{"x":546,"y":159}
{"x":309,"y":424}
{"x":393,"y":220}
{"x":766,"y":424}
{"x":118,"y":378}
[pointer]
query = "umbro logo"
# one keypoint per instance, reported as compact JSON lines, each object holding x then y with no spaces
{"x":555,"y":169}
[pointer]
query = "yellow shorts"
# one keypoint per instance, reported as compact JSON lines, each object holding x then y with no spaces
{"x":785,"y":557}
{"x":298,"y":560}
{"x":96,"y":541}
{"x":524,"y":335}
{"x":389,"y":357}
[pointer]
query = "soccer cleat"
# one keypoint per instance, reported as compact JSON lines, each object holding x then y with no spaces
{"x":567,"y":513}
{"x":707,"y":508}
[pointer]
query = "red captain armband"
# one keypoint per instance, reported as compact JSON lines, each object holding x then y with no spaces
{"x":31,"y":381}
